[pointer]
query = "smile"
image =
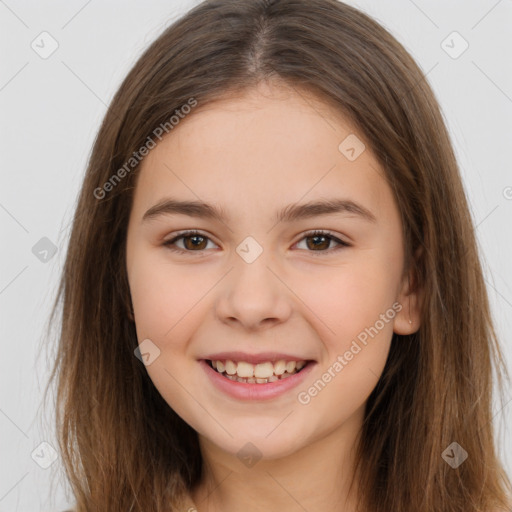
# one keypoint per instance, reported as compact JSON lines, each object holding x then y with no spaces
{"x":262,"y":373}
{"x":256,"y":387}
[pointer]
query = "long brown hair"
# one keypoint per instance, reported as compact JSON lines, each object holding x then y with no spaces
{"x":123,"y":448}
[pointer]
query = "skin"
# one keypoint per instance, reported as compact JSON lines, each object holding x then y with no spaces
{"x":252,"y":155}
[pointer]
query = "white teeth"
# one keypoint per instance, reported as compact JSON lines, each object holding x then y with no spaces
{"x":290,"y":366}
{"x":263,"y":370}
{"x":244,"y":369}
{"x":261,"y":373}
{"x":280,"y":367}
{"x":252,"y":380}
{"x":230,"y":367}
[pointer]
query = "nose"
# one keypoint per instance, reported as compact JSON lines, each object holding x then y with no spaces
{"x":253,"y":296}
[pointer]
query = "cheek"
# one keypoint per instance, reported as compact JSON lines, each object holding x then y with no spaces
{"x":354,"y":312}
{"x":153,"y":304}
{"x":347,"y":300}
{"x":354,"y":315}
{"x":163,"y":301}
{"x":156,"y":292}
{"x":166,"y":299}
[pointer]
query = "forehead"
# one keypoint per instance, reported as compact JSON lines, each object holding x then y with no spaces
{"x":269,"y":145}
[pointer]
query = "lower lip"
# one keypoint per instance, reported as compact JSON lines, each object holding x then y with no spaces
{"x":246,"y":391}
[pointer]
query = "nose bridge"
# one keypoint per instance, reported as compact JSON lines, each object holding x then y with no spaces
{"x":252,"y":293}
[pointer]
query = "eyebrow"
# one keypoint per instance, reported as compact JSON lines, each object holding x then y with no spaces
{"x":290,"y":213}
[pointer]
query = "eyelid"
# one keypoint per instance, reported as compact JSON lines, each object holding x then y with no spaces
{"x":184,"y":234}
{"x":315,"y":232}
{"x":342,"y":244}
{"x":341,"y":239}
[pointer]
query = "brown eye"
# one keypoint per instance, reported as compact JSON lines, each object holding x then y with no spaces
{"x":319,"y":242}
{"x":192,"y":242}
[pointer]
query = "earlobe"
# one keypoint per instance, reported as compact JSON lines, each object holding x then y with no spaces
{"x":408,"y":320}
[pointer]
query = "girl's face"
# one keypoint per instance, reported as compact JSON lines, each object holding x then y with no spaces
{"x":257,"y":280}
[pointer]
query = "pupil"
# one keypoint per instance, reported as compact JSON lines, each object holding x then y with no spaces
{"x":316,"y":238}
{"x":194,"y":244}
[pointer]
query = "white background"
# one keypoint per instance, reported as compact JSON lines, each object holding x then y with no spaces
{"x":51,"y":110}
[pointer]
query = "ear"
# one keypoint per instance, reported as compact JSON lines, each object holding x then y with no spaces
{"x":411,"y":296}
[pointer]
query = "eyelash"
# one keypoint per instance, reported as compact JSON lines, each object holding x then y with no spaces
{"x":185,"y":234}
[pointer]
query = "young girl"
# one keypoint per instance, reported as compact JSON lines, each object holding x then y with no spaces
{"x":272,"y":297}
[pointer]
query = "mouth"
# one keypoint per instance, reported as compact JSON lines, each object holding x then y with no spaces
{"x":262,"y":373}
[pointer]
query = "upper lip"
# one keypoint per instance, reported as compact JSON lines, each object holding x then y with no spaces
{"x":262,"y":357}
